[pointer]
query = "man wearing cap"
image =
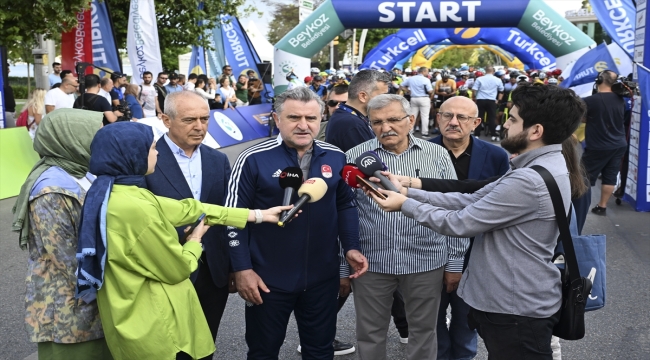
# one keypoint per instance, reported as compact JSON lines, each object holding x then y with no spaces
{"x":318,"y":87}
{"x":119,"y":82}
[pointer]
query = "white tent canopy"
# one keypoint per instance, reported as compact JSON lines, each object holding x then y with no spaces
{"x":263,"y":47}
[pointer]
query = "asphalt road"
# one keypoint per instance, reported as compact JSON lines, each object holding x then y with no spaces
{"x":621,"y":330}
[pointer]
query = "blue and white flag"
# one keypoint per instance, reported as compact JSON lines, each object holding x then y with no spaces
{"x":588,"y":66}
{"x":240,"y":54}
{"x":105,"y":54}
{"x":142,"y":42}
{"x":197,"y":61}
{"x":618,"y":18}
{"x":216,"y":57}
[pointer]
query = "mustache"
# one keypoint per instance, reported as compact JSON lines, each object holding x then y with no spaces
{"x":390,"y":133}
{"x":452,"y":128}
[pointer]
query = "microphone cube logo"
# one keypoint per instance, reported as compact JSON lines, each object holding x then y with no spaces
{"x":326,"y":170}
{"x":367,"y":161}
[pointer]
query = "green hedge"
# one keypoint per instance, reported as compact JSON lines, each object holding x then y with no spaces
{"x":20,"y":91}
{"x":13,"y":80}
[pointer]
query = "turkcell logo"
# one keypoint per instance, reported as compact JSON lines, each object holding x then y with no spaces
{"x":311,"y":31}
{"x":530,"y":47}
{"x":553,"y":32}
{"x":592,"y":71}
{"x":392,"y":51}
{"x":228,"y":126}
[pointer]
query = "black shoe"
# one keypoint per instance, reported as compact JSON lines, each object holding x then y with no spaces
{"x":341,"y":348}
{"x":599,"y":210}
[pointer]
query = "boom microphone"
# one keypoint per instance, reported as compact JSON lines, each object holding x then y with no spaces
{"x":311,"y":191}
{"x":371,"y":165}
{"x":350,"y":173}
{"x":290,"y":181}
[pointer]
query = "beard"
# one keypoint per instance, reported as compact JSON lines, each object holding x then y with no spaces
{"x":516,"y":144}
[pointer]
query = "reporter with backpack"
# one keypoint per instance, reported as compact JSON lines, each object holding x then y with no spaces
{"x":94,"y":102}
{"x":32,"y":112}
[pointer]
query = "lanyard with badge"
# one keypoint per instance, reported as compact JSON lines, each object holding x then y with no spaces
{"x":356,"y":113}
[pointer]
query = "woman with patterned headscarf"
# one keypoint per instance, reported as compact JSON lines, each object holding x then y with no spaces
{"x":46,"y":216}
{"x":130,"y":256}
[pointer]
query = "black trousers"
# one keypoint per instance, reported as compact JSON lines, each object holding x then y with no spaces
{"x":315,"y":312}
{"x":512,"y":337}
{"x":489,"y":107}
{"x":213,"y":301}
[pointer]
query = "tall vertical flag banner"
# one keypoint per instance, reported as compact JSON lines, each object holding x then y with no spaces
{"x":586,"y":69}
{"x":216,"y":57}
{"x":197,"y":60}
{"x":142,"y":40}
{"x":618,"y":19}
{"x":105,"y":54}
{"x":240,"y":54}
{"x":76,"y":44}
{"x":637,"y":189}
{"x":2,"y":94}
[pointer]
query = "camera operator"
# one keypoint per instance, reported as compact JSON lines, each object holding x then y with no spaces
{"x":604,"y":136}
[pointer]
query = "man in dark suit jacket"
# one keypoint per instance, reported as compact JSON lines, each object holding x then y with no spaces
{"x":187,"y":169}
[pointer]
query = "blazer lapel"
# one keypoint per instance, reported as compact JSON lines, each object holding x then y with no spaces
{"x":209,"y":173}
{"x":168,"y":166}
{"x":477,"y":159}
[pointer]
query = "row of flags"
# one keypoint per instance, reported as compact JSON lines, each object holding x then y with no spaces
{"x":93,"y":41}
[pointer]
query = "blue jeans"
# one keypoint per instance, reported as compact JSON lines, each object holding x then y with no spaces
{"x":458,"y":342}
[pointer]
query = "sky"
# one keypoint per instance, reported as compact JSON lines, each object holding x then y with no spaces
{"x":263,"y":22}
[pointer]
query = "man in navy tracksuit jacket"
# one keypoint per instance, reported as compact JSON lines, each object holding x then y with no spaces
{"x":293,"y":268}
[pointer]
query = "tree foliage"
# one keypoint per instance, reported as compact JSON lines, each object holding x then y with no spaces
{"x":178,"y":23}
{"x":373,"y":38}
{"x":20,"y":21}
{"x":453,"y":58}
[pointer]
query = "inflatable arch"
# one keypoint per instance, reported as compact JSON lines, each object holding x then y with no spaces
{"x":395,"y":47}
{"x":429,"y":53}
{"x":532,"y":17}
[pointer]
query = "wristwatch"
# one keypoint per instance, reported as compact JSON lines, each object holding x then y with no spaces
{"x":258,"y":216}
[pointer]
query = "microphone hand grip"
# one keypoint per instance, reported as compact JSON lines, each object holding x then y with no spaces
{"x":294,"y":210}
{"x":385,"y":182}
{"x":286,"y":200}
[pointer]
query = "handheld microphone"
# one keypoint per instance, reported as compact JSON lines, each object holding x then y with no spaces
{"x":371,"y":165}
{"x":311,"y":191}
{"x":350,"y":173}
{"x":290,"y":181}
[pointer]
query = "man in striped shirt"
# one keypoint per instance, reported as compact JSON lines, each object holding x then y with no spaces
{"x":401,"y":252}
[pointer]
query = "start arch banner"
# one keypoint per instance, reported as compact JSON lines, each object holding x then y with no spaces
{"x":388,"y":53}
{"x":532,"y":17}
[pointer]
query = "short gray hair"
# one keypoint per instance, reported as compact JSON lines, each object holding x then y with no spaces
{"x":366,"y":81}
{"x":381,"y":101}
{"x":302,"y":94}
{"x":174,"y":98}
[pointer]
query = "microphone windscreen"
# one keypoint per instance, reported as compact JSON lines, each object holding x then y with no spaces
{"x":291,"y":177}
{"x":369,"y":162}
{"x":314,"y":187}
{"x":350,"y":173}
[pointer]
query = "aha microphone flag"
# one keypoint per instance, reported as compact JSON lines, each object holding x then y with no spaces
{"x":589,"y":65}
{"x":142,"y":40}
{"x":618,"y":19}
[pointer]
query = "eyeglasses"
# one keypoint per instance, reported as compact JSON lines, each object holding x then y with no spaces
{"x":447,"y":116}
{"x":333,"y":103}
{"x":392,"y":121}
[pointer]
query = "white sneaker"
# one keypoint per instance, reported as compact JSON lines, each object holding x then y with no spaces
{"x":404,"y":340}
{"x":494,"y":138}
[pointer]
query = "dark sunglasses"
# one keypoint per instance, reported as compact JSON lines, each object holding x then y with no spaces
{"x":333,"y":103}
